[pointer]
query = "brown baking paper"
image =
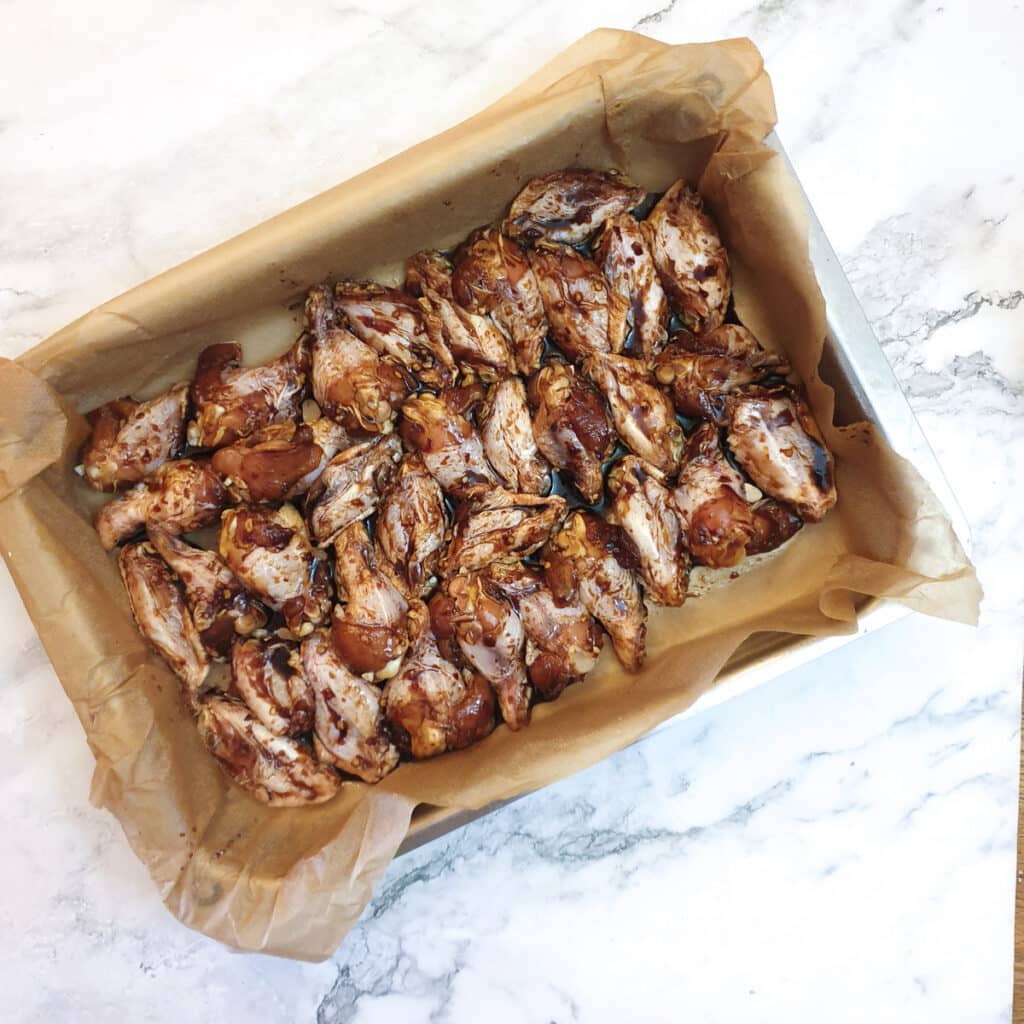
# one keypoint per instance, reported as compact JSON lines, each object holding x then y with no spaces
{"x":292,"y":882}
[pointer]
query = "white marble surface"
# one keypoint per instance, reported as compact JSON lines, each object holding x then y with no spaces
{"x":838,"y":845}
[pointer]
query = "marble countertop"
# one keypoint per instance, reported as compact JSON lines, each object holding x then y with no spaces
{"x":838,"y":844}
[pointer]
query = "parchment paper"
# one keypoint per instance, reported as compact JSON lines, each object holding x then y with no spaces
{"x":292,"y":882}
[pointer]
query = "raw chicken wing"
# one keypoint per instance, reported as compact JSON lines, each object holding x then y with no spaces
{"x":507,"y":435}
{"x":269,"y":678}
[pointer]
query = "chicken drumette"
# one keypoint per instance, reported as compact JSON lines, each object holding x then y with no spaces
{"x":507,"y":435}
{"x":269,"y":678}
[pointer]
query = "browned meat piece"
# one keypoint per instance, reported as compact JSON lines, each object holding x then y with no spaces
{"x":570,"y":205}
{"x":179,"y":496}
{"x":269,"y":551}
{"x":775,"y":440}
{"x":221,"y":607}
{"x":774,"y":524}
{"x":595,"y":562}
{"x":623,"y":255}
{"x":269,"y":678}
{"x":349,"y":731}
{"x":231,"y":401}
{"x":277,"y":770}
{"x":586,"y":316}
{"x":350,"y":486}
{"x":563,"y":641}
{"x":492,"y":276}
{"x":131,"y":439}
{"x":432,"y":706}
{"x":507,"y":435}
{"x":642,"y":505}
{"x":159,"y":609}
{"x":691,"y":260}
{"x":643,"y":416}
{"x":571,"y":426}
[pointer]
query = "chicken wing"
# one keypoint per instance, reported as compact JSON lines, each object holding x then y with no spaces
{"x":595,"y":562}
{"x":269,"y":551}
{"x":432,"y":706}
{"x":691,"y":260}
{"x":221,"y":607}
{"x":131,"y":439}
{"x":570,"y":205}
{"x":642,"y":505}
{"x":179,"y":496}
{"x":774,"y":524}
{"x":586,"y":315}
{"x":277,"y":770}
{"x":571,"y":426}
{"x":350,"y":486}
{"x":623,"y":256}
{"x":269,"y":678}
{"x":775,"y":439}
{"x":643,"y":415}
{"x":231,"y":401}
{"x":159,"y":609}
{"x":507,"y":435}
{"x":349,"y":731}
{"x":492,"y":276}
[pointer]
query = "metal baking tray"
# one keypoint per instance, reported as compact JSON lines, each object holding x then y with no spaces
{"x":866,"y":389}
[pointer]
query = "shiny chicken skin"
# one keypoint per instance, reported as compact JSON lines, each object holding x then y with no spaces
{"x":369,"y":628}
{"x":571,"y":426}
{"x":623,"y":255}
{"x":268,"y":676}
{"x":130,"y":440}
{"x":220,"y":606}
{"x":506,"y":431}
{"x":691,"y":260}
{"x":643,"y":416}
{"x":594,"y":562}
{"x":269,"y":551}
{"x":231,"y":401}
{"x":179,"y":496}
{"x":642,"y":505}
{"x":776,"y":441}
{"x":431,"y":705}
{"x":585,"y":314}
{"x":492,"y":277}
{"x":159,"y":609}
{"x":569,"y":206}
{"x":277,"y":770}
{"x":349,"y":731}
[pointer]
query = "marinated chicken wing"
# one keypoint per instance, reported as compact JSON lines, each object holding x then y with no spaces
{"x":571,"y":426}
{"x":585,"y":314}
{"x":369,"y":629}
{"x":642,"y":505}
{"x":131,"y":439}
{"x":492,"y":277}
{"x":563,"y":641}
{"x":159,"y":609}
{"x":432,"y":706}
{"x":351,"y":382}
{"x":450,"y":446}
{"x":231,"y":401}
{"x":643,"y":415}
{"x":349,"y":731}
{"x":774,"y":523}
{"x":350,"y":486}
{"x":623,"y":255}
{"x":507,"y":435}
{"x":489,"y":633}
{"x":269,"y":678}
{"x":569,"y":206}
{"x":595,"y":562}
{"x":691,"y":260}
{"x":391,"y":323}
{"x":775,"y":440}
{"x":221,"y":607}
{"x":269,"y":551}
{"x":277,"y":770}
{"x":179,"y":496}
